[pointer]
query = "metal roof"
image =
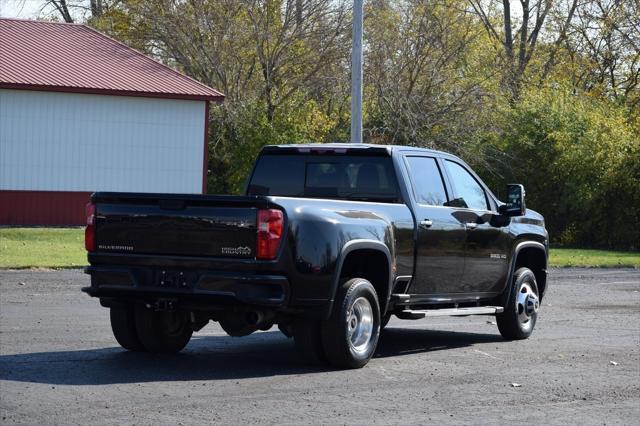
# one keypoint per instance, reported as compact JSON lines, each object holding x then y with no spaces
{"x":52,"y":56}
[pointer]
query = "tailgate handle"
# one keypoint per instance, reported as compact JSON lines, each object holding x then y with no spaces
{"x":171,"y":204}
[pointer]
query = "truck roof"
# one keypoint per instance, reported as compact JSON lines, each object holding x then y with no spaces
{"x":344,"y":147}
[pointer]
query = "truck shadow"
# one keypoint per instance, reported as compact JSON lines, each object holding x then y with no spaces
{"x":209,"y":358}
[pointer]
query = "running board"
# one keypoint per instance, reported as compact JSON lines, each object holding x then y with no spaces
{"x":456,"y":312}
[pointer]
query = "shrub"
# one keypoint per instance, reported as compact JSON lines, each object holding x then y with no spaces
{"x":579,"y":159}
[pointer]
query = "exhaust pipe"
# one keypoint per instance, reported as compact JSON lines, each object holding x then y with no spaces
{"x":238,"y":324}
{"x":255,"y":317}
{"x":260,"y":319}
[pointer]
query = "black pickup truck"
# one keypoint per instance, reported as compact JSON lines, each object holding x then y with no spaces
{"x":327,"y":243}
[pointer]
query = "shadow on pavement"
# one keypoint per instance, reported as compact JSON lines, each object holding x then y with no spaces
{"x":208,"y":358}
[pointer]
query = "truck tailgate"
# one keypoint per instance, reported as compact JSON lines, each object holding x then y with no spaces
{"x":169,"y":224}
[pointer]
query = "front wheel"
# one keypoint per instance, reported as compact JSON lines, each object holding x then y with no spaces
{"x":521,"y":311}
{"x":350,"y":336}
{"x":164,"y":331}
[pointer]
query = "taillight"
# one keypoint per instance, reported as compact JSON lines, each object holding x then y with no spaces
{"x":270,"y":227}
{"x":90,"y":230}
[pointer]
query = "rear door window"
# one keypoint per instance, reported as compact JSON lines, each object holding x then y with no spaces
{"x":428,"y":186}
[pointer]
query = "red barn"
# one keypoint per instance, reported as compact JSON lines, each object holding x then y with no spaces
{"x":81,"y":112}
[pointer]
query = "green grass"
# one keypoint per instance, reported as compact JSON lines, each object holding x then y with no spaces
{"x":64,"y":248}
{"x":42,"y":248}
{"x":565,"y":257}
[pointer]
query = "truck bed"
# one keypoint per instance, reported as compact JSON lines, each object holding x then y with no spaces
{"x":177,"y":225}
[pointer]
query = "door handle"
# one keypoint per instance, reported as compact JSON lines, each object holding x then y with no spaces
{"x":471,"y":225}
{"x":426,"y":223}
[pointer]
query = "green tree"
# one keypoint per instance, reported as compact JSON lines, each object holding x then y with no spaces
{"x":579,"y":158}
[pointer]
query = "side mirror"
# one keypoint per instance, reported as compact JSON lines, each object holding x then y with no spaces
{"x":515,"y":201}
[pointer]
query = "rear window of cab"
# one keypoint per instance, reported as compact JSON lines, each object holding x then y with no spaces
{"x":350,"y":177}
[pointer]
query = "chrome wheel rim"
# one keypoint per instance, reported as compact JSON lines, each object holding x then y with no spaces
{"x":527,"y":305}
{"x":360,"y":325}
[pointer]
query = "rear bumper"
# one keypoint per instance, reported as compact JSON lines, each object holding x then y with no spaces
{"x":194,"y":287}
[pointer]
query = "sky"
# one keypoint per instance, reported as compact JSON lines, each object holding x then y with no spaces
{"x":24,"y":9}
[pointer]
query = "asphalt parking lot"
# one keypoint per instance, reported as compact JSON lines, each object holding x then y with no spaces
{"x":59,"y":364}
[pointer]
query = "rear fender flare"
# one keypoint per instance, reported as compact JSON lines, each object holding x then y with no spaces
{"x":360,"y":245}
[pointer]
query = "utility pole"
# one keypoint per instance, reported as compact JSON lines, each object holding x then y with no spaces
{"x":356,"y":73}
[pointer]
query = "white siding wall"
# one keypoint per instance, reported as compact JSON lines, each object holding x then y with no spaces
{"x":76,"y":142}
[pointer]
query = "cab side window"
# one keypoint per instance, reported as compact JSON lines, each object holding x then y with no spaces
{"x":427,"y":182}
{"x":466,"y":187}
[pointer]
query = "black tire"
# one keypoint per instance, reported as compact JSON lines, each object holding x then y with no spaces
{"x":308,"y":340}
{"x":520,"y":313}
{"x":123,"y":325}
{"x":350,"y":336}
{"x":162,"y":332}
